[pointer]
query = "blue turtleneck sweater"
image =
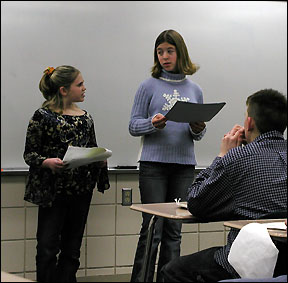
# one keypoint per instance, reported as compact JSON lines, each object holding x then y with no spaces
{"x":174,"y":143}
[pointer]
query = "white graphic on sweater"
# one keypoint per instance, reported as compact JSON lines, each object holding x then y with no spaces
{"x":172,"y":99}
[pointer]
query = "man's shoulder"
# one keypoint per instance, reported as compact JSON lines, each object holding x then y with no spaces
{"x":255,"y":151}
{"x":241,"y":153}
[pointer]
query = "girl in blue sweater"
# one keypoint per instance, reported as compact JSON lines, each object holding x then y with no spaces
{"x":167,"y":158}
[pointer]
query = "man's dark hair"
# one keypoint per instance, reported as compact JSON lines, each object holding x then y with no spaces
{"x":268,"y":108}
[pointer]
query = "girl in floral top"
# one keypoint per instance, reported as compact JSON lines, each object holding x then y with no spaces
{"x":63,"y":195}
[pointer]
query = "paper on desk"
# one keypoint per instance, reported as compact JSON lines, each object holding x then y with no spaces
{"x":78,"y":156}
{"x":182,"y":204}
{"x":187,"y":112}
{"x":253,"y":254}
{"x":275,"y":225}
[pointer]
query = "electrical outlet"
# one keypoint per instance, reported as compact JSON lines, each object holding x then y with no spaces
{"x":126,"y":196}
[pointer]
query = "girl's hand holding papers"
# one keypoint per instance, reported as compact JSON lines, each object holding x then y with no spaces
{"x":159,"y":121}
{"x":197,"y":127}
{"x":55,"y":164}
{"x":101,"y":164}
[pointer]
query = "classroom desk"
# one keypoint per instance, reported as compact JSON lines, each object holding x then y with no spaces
{"x":167,"y":210}
{"x":173,"y":211}
{"x":275,"y":233}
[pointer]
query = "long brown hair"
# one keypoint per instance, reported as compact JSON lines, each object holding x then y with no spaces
{"x":184,"y":63}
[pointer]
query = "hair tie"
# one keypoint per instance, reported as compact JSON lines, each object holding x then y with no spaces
{"x":49,"y":71}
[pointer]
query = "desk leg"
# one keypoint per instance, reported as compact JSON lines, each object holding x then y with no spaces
{"x":147,"y":256}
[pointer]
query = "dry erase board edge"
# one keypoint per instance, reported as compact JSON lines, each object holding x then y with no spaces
{"x":14,"y":171}
{"x":111,"y":170}
{"x":25,"y":171}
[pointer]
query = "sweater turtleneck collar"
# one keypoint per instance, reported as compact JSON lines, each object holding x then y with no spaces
{"x":170,"y":77}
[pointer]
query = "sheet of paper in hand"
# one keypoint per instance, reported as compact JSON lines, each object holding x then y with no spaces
{"x":78,"y":156}
{"x":187,"y":112}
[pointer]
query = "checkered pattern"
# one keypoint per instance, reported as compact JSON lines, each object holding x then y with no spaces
{"x":247,"y":183}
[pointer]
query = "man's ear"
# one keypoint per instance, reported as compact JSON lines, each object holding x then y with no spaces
{"x":63,"y":90}
{"x":250,"y":123}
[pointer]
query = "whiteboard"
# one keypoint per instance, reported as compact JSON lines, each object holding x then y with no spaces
{"x":241,"y":47}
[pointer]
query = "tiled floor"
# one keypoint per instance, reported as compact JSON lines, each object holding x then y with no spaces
{"x":106,"y":278}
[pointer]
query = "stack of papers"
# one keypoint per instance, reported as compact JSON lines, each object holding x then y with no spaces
{"x":182,"y":204}
{"x":275,"y":225}
{"x":78,"y":156}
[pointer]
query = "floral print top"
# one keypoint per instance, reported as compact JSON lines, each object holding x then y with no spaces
{"x":48,"y":136}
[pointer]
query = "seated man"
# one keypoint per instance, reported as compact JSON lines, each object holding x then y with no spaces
{"x":243,"y":182}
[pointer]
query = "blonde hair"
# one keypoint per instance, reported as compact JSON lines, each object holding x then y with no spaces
{"x":52,"y":80}
{"x":184,"y":63}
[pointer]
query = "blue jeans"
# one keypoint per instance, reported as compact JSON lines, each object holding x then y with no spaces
{"x":61,"y":228}
{"x":161,"y":182}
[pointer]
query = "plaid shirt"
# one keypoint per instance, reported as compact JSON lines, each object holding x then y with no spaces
{"x":247,"y":183}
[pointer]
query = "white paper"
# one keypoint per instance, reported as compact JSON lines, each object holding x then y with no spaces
{"x":275,"y":225}
{"x":187,"y":112}
{"x":253,"y":253}
{"x":182,"y":204}
{"x":78,"y":156}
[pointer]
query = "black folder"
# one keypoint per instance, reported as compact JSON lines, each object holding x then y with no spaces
{"x":193,"y":112}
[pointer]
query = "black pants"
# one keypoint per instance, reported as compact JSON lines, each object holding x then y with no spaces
{"x":201,"y":267}
{"x":61,"y":228}
{"x":197,"y":267}
{"x":161,"y":182}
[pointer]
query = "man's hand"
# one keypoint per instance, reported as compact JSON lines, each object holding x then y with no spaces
{"x":234,"y":138}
